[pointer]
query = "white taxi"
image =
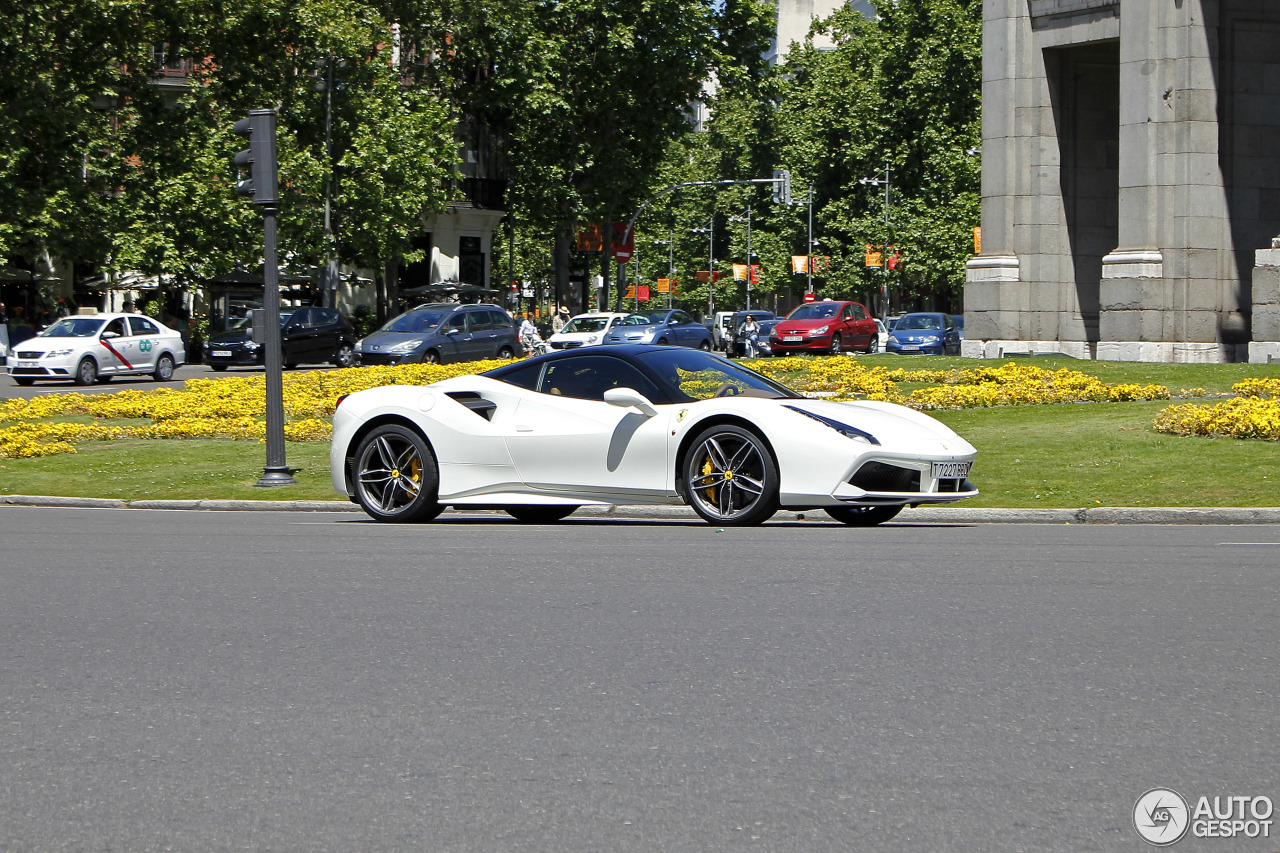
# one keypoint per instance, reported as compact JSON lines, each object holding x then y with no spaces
{"x":86,"y":348}
{"x":584,"y":330}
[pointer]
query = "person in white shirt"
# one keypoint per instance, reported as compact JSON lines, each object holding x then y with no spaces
{"x":748,"y":333}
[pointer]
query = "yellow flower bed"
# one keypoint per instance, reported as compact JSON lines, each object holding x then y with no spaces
{"x":234,"y":407}
{"x":1255,"y":413}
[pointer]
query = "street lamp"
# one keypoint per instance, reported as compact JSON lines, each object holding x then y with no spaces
{"x":750,"y":267}
{"x":328,"y":84}
{"x":670,"y":243}
{"x":884,"y":250}
{"x":710,"y":231}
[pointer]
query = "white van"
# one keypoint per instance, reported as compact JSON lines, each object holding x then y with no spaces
{"x":722,"y":329}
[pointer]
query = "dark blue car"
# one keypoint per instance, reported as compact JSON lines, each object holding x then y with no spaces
{"x":924,"y":333}
{"x":665,"y":327}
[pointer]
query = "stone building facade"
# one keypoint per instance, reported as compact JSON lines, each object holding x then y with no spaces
{"x":1130,"y":181}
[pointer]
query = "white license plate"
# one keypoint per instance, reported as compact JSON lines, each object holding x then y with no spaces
{"x":793,"y":338}
{"x":906,"y":347}
{"x":221,"y":353}
{"x":28,"y":364}
{"x":950,"y":470}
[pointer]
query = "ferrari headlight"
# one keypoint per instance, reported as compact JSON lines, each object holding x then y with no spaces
{"x":405,"y":346}
{"x":844,"y":429}
{"x":821,"y":330}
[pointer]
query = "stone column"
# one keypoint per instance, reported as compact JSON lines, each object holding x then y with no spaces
{"x":1265,"y":346}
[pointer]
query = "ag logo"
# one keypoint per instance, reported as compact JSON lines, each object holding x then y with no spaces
{"x":144,"y":345}
{"x":1161,"y":816}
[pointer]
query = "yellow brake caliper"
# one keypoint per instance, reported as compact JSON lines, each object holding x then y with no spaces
{"x":707,"y":468}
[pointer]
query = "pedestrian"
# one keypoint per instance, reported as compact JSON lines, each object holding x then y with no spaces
{"x":528,"y":334}
{"x":749,"y":335}
{"x":558,"y":322}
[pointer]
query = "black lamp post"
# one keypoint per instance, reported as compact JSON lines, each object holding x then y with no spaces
{"x":328,"y":84}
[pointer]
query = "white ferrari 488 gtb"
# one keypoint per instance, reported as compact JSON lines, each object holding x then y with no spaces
{"x":637,"y":425}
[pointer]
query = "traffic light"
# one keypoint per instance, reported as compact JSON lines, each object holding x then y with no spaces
{"x":259,"y":159}
{"x":781,"y":186}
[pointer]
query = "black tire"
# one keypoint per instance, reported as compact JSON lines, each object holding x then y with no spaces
{"x":431,"y":357}
{"x":706,"y":347}
{"x":662,"y":342}
{"x":863,"y":516}
{"x":24,"y":380}
{"x":86,"y":372}
{"x":506,"y":352}
{"x":540,"y":514}
{"x":395,"y":476}
{"x":871,"y":346}
{"x":345,"y":356}
{"x":164,"y":368}
{"x":730,"y":477}
{"x":218,"y":368}
{"x":837,"y":344}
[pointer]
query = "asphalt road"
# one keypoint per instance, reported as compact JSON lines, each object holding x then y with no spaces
{"x":215,"y":681}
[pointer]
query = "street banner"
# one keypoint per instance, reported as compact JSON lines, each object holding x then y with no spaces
{"x":799,"y":264}
{"x":664,"y":285}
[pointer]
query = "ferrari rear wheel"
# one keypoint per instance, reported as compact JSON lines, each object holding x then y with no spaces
{"x":863,"y":516}
{"x":731,"y":477}
{"x":396,"y":477}
{"x":540,"y":514}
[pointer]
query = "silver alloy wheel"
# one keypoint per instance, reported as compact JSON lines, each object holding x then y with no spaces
{"x":837,"y":345}
{"x":395,"y":474}
{"x":164,"y":368}
{"x":86,"y":371}
{"x":345,"y":356}
{"x":731,"y":477}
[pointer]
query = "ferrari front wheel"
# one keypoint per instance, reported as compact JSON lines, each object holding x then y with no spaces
{"x":863,"y":516}
{"x":731,"y":477}
{"x":396,"y":478}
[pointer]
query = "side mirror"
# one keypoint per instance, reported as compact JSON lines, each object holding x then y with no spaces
{"x":110,"y":335}
{"x":629,"y":398}
{"x":452,"y":330}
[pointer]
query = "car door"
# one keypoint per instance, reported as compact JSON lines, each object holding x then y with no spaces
{"x":682,"y":329}
{"x":143,"y":340}
{"x":114,"y":355}
{"x":565,"y":438}
{"x":455,"y":339}
{"x":860,"y":328}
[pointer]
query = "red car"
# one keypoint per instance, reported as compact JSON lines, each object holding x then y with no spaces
{"x":830,"y":327}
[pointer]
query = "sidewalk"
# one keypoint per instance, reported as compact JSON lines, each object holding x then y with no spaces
{"x":924,"y":515}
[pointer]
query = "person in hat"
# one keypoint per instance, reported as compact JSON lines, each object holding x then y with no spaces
{"x":558,"y":322}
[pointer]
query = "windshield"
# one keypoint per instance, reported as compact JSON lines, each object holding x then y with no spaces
{"x":74,"y":327}
{"x":586,"y":324}
{"x":918,"y":322}
{"x":690,"y":375}
{"x":815,"y":311}
{"x":636,"y":320}
{"x":416,"y":321}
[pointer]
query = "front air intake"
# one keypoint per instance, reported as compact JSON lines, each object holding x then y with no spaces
{"x":883,"y":477}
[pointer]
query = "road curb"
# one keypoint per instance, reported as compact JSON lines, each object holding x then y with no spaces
{"x":923,"y":515}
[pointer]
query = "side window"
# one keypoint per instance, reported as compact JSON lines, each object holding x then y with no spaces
{"x":679,"y":319}
{"x":325,"y":316}
{"x":588,"y":378}
{"x":857,"y":312}
{"x":525,"y":376}
{"x":298,"y":318}
{"x":143,"y":326}
{"x":458,"y":322}
{"x":116,"y":327}
{"x":480,"y":321}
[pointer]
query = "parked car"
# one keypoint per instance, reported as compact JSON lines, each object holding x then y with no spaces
{"x":721,"y":329}
{"x":735,"y":347}
{"x":882,"y":337}
{"x":664,"y":327}
{"x":441,"y":332}
{"x":89,"y":348}
{"x":763,"y":346}
{"x":627,"y":424}
{"x":584,"y":330}
{"x":959,"y":321}
{"x":308,"y":335}
{"x":825,"y":327}
{"x":924,"y":333}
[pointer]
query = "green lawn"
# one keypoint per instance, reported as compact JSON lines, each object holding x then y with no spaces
{"x":1077,"y":455}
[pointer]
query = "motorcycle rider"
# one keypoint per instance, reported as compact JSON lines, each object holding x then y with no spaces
{"x":748,"y":334}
